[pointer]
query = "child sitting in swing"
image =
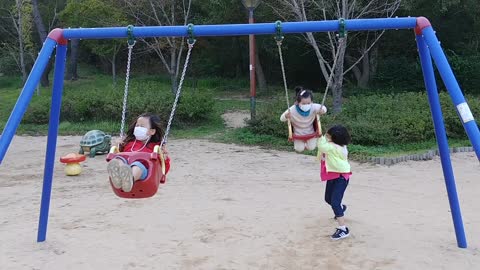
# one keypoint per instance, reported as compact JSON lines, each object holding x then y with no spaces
{"x":302,"y":116}
{"x":142,"y":136}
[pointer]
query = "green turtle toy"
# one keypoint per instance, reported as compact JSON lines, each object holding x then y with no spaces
{"x":95,"y":142}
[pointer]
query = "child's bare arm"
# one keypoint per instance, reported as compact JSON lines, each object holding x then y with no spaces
{"x":285,"y":116}
{"x":319,"y":109}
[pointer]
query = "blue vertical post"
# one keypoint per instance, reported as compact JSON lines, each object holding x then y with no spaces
{"x":453,"y":88}
{"x":25,"y":96}
{"x":52,"y":140}
{"x":440,"y":133}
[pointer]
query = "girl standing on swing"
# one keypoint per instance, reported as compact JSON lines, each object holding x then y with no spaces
{"x":142,"y":136}
{"x":302,"y":116}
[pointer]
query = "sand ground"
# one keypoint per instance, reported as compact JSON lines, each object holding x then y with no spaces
{"x":235,"y":207}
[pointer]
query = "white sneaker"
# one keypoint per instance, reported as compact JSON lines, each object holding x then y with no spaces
{"x":340,"y":234}
{"x":120,"y":175}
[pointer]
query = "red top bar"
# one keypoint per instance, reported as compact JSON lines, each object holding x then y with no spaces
{"x":57,"y":35}
{"x":422,"y":23}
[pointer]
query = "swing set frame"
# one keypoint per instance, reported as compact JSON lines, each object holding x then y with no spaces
{"x":428,"y":48}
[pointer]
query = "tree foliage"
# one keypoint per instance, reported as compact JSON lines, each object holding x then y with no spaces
{"x":392,"y":62}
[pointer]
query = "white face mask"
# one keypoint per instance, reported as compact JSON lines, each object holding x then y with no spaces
{"x":305,"y":107}
{"x":141,"y":133}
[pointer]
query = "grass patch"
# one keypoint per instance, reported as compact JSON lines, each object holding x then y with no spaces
{"x":212,"y":128}
{"x":360,"y":152}
{"x":357,"y":152}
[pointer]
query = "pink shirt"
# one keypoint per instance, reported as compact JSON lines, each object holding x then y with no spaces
{"x":325,"y":176}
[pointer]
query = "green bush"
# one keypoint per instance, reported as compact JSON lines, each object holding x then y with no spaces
{"x":10,"y":82}
{"x":466,"y":71}
{"x":377,"y":119}
{"x":402,"y":72}
{"x":399,"y":72}
{"x":8,"y":66}
{"x":39,"y":110}
{"x":106,"y":105}
{"x":267,"y":121}
{"x":195,"y":106}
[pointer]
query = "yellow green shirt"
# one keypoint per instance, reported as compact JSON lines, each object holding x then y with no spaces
{"x":336,"y":156}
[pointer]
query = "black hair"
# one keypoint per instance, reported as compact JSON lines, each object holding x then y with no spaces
{"x":298,"y":89}
{"x":339,"y":135}
{"x":155,"y":123}
{"x":301,"y":92}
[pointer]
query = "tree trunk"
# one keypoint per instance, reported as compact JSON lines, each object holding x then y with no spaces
{"x":357,"y":73}
{"x":363,"y":80}
{"x":262,"y":83}
{"x":319,"y":55}
{"x":72,"y":68}
{"x":173,"y":69}
{"x":363,"y":75}
{"x":20,"y":41}
{"x":337,"y":86}
{"x":44,"y":81}
{"x":42,"y":33}
{"x":37,"y":18}
{"x":373,"y":61}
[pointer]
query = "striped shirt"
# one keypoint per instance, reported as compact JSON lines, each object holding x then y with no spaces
{"x":303,"y":125}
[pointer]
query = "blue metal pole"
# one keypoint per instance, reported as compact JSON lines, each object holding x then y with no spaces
{"x":440,"y":133}
{"x":240,"y":29}
{"x":451,"y":83}
{"x":25,"y":96}
{"x":52,"y":140}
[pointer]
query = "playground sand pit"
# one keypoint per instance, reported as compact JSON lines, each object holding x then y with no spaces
{"x":235,"y":207}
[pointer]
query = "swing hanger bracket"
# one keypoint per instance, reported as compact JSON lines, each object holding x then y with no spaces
{"x":342,"y":32}
{"x":279,"y":35}
{"x":131,"y":38}
{"x":191,"y":35}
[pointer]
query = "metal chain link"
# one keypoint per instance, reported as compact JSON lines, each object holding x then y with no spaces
{"x":177,"y":95}
{"x":279,"y":44}
{"x":125,"y":93}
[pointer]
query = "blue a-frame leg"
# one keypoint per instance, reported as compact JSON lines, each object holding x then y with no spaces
{"x":440,"y":133}
{"x":60,"y":60}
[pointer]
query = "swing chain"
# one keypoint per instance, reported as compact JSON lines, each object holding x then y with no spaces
{"x":131,"y":42}
{"x":279,"y":38}
{"x":191,"y":42}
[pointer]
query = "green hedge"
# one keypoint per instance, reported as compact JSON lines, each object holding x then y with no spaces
{"x":466,"y":71}
{"x":106,"y":105}
{"x":397,"y":73}
{"x":377,"y":119}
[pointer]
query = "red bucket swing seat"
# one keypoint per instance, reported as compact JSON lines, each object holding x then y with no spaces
{"x":155,"y":163}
